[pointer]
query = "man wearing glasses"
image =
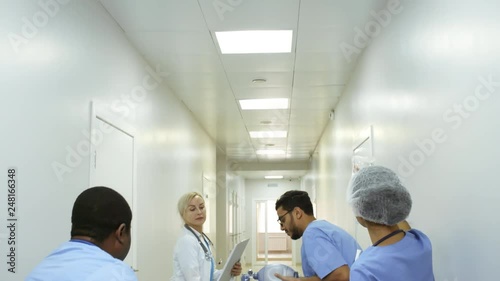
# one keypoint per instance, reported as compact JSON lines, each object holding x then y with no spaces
{"x":327,"y":250}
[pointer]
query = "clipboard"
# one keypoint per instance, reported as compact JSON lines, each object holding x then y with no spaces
{"x":234,"y":257}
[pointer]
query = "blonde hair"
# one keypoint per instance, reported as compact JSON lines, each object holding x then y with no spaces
{"x":184,"y":202}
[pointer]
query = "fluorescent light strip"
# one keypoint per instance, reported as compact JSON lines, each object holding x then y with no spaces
{"x":273,"y":177}
{"x":267,"y":134}
{"x":254,"y":104}
{"x":270,"y":152}
{"x":255,"y":41}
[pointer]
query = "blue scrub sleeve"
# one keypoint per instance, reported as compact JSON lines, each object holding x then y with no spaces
{"x":322,"y":254}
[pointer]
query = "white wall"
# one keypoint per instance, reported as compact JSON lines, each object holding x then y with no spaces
{"x":75,"y":55}
{"x":259,"y":190}
{"x":420,"y":77}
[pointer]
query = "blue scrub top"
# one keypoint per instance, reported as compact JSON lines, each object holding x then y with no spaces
{"x":326,"y":247}
{"x":78,"y":261}
{"x":409,"y":259}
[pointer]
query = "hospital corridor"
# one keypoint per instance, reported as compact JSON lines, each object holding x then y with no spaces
{"x":238,"y":102}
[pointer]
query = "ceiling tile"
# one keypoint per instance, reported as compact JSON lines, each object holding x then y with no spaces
{"x":156,"y":15}
{"x":305,"y":133}
{"x":177,"y":42}
{"x":313,"y":104}
{"x":320,"y":78}
{"x":258,"y":62}
{"x":262,"y":92}
{"x":260,"y":144}
{"x":334,"y":13}
{"x":274,"y":79}
{"x":196,"y":81}
{"x":298,"y":156}
{"x":325,"y":39}
{"x":198,"y":63}
{"x":318,"y":91}
{"x":306,"y":117}
{"x":250,"y":15}
{"x":276,"y":117}
{"x":310,"y":61}
{"x":267,"y":127}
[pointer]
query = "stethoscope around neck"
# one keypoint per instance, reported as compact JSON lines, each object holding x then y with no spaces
{"x":208,"y":255}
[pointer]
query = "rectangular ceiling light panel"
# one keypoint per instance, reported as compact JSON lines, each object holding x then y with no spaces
{"x":255,"y":41}
{"x":267,"y":134}
{"x":270,"y":152}
{"x":254,"y":104}
{"x":273,"y":177}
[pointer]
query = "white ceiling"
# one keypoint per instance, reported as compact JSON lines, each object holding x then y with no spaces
{"x":179,"y":35}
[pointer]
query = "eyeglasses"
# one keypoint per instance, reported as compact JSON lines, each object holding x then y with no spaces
{"x":281,"y":217}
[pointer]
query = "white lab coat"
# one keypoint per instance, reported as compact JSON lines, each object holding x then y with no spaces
{"x":189,"y":259}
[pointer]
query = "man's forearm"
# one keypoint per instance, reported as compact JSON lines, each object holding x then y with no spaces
{"x":312,"y":278}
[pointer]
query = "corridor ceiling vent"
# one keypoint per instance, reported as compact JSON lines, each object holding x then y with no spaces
{"x":259,"y":81}
{"x":255,"y":41}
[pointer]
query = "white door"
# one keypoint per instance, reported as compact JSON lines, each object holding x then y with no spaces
{"x":112,"y":165}
{"x":209,"y":193}
{"x":272,"y":245}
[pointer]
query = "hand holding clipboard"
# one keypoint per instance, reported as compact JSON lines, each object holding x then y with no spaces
{"x":233,"y":265}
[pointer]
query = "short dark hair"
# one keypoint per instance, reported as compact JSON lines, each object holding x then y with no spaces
{"x":98,"y":211}
{"x":295,"y":198}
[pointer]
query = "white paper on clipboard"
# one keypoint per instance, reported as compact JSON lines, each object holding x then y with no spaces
{"x":234,"y":257}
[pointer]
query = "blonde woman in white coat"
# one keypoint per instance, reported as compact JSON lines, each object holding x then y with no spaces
{"x":193,"y":258}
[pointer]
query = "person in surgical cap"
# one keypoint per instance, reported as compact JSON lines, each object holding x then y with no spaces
{"x":380,"y":202}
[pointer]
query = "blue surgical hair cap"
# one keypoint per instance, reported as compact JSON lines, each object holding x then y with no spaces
{"x":376,"y":194}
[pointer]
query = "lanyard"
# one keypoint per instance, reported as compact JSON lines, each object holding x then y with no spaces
{"x":388,"y":236}
{"x":205,"y":249}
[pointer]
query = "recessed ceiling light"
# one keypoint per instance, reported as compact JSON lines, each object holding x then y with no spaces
{"x":269,"y":144}
{"x":270,"y":152}
{"x":255,"y":41}
{"x":267,"y":134}
{"x":253,"y":104}
{"x":265,"y":122}
{"x":273,"y":177}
